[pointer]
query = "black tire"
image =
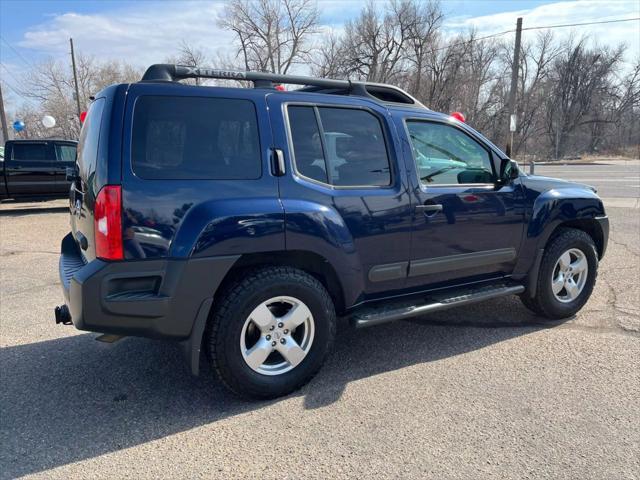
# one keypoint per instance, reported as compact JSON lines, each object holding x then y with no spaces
{"x":544,"y":303}
{"x":235,"y":305}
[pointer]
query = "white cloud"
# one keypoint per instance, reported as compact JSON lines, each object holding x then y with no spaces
{"x":144,"y":34}
{"x":148,"y":32}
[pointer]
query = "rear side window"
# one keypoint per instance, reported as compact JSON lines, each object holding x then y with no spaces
{"x":305,"y":135}
{"x":89,"y":137}
{"x":30,"y":152}
{"x":195,"y":138}
{"x":66,"y":153}
{"x":340,"y":146}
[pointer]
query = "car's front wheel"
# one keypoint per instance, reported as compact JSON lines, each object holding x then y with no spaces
{"x":566,"y":277}
{"x":271,"y":332}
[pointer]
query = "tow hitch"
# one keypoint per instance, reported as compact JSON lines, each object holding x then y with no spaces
{"x":63,"y":315}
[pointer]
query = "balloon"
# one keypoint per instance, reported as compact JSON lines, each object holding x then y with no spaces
{"x":458,"y":116}
{"x":18,"y":125}
{"x":48,"y":121}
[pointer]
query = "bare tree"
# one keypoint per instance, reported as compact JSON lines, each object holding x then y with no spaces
{"x":373,"y":43}
{"x":329,"y":58}
{"x":271,"y":35}
{"x":189,"y":56}
{"x":579,"y":78}
{"x":422,"y":21}
{"x":51,"y":84}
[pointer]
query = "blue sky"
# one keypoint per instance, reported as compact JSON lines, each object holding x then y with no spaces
{"x":147,"y":31}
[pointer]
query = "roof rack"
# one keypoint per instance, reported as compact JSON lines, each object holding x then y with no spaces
{"x":378,"y":91}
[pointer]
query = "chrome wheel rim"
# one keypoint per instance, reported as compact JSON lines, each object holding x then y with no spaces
{"x":277,"y":335}
{"x":569,"y":275}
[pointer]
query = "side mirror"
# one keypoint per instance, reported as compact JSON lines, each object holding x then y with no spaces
{"x":72,"y":174}
{"x":508,"y":170}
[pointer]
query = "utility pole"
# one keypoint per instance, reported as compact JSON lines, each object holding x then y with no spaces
{"x":3,"y":119}
{"x":75,"y":78}
{"x":514,"y":87}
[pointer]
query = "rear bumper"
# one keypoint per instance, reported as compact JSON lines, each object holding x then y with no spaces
{"x":149,"y":298}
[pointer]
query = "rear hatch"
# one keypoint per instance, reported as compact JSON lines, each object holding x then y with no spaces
{"x":85,"y":187}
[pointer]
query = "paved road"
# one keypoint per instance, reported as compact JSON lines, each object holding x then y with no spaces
{"x":618,"y":180}
{"x":488,"y":391}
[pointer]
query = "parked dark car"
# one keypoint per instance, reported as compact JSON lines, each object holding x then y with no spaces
{"x":243,"y":221}
{"x":36,"y":168}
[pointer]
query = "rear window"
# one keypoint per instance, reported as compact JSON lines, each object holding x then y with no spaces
{"x":30,"y":152}
{"x":66,"y":153}
{"x":195,"y":138}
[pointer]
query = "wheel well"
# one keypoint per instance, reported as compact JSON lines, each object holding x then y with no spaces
{"x":309,"y":262}
{"x":589,"y":226}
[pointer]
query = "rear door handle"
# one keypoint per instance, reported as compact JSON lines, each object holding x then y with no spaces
{"x":430,"y":208}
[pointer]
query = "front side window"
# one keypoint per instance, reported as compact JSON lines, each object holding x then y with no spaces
{"x":30,"y":152}
{"x":339,"y":146}
{"x":445,"y":155}
{"x":195,"y":138}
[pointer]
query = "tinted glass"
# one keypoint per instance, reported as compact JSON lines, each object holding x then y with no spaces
{"x":446,"y":155}
{"x":355,"y":148}
{"x":307,"y":147}
{"x":66,"y":153}
{"x":89,"y":137}
{"x":195,"y":138}
{"x":30,"y":152}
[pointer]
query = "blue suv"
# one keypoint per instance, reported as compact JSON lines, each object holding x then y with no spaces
{"x":242,"y":222}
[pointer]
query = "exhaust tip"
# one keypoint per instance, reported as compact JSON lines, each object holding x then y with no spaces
{"x":63,"y":315}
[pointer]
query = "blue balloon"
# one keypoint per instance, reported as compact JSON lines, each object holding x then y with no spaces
{"x":18,"y":125}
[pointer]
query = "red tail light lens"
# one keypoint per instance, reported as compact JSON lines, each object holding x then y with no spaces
{"x":107,"y":216}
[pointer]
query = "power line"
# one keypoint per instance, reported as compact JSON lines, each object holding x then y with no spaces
{"x":19,"y":93}
{"x":584,"y":23}
{"x":499,"y":34}
{"x":9,"y":72}
{"x":16,"y":52}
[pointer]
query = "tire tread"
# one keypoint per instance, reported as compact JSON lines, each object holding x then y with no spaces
{"x":232,"y":299}
{"x":540,"y":304}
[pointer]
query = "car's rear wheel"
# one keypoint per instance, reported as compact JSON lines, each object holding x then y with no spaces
{"x":566,"y":277}
{"x":271,"y":332}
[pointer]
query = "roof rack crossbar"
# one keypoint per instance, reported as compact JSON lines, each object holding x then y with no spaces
{"x":171,"y":73}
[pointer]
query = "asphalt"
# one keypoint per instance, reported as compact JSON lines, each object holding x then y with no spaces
{"x":618,"y":179}
{"x":488,"y":391}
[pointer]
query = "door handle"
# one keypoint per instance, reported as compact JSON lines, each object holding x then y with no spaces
{"x":278,"y":162}
{"x":431,"y":208}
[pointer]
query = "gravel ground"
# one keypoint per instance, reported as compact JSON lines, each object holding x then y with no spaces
{"x":487,"y":391}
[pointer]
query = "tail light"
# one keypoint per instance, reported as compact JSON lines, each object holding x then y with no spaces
{"x":107,"y":216}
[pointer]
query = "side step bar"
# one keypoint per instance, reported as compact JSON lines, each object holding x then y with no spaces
{"x":374,"y":316}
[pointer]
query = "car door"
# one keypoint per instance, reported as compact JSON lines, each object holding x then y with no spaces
{"x":342,"y":178}
{"x":65,"y":158}
{"x":31,"y":170}
{"x":466,"y":225}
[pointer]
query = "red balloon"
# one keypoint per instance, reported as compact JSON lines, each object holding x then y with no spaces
{"x":83,"y":115}
{"x":458,"y":116}
{"x":280,"y":88}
